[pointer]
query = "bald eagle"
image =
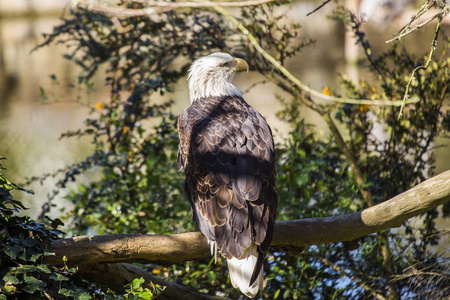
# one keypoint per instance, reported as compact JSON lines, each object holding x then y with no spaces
{"x":227,"y":152}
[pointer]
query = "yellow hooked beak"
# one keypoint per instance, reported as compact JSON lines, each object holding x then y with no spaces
{"x":240,"y":65}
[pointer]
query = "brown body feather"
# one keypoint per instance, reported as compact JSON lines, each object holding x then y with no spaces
{"x":227,"y":151}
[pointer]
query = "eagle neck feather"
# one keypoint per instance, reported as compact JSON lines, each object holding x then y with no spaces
{"x":209,"y":88}
{"x":205,"y":82}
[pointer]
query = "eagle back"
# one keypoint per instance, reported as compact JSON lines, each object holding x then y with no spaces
{"x":227,"y":151}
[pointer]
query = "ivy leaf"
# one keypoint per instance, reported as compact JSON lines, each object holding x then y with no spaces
{"x":33,"y":284}
{"x":30,"y":242}
{"x":26,"y":269}
{"x":146,"y":295}
{"x":84,"y":296}
{"x":43,"y":268}
{"x":35,"y":257}
{"x":10,"y":279}
{"x":136,"y":284}
{"x":58,"y":277}
{"x":13,"y":251}
{"x":75,"y":294}
{"x":31,"y":288}
{"x":33,"y":281}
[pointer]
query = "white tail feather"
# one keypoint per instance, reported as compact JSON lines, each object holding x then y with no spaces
{"x":241,"y":271}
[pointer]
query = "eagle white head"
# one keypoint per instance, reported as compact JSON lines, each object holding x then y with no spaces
{"x":212,"y":76}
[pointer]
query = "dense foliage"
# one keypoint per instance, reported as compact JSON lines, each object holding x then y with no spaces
{"x":137,"y":188}
{"x":24,"y":272}
{"x":23,"y":242}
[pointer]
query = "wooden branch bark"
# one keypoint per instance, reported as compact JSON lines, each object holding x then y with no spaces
{"x":175,"y":248}
{"x":117,"y":275}
{"x":156,"y":7}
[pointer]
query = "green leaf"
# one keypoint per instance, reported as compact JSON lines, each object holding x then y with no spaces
{"x":74,"y":294}
{"x":84,"y":296}
{"x":66,"y":292}
{"x":30,"y":242}
{"x":13,"y":251}
{"x":35,"y":257}
{"x":212,"y":275}
{"x":26,"y":269}
{"x":43,"y":268}
{"x":146,"y":295}
{"x":286,"y":293}
{"x":9,"y":288}
{"x":31,"y":288}
{"x":277,"y":293}
{"x":33,"y":281}
{"x":10,"y":279}
{"x":137,"y":283}
{"x":58,"y":277}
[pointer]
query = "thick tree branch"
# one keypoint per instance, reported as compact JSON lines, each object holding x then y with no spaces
{"x":156,"y":7}
{"x":115,"y":276}
{"x":175,"y":248}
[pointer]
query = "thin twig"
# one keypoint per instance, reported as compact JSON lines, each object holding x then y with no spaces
{"x":423,"y":9}
{"x":354,"y":278}
{"x":252,"y":86}
{"x":297,"y":82}
{"x":403,"y":33}
{"x":119,"y":27}
{"x":424,"y":67}
{"x":319,"y":7}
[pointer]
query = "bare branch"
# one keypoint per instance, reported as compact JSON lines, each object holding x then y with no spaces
{"x":115,"y":276}
{"x":358,"y":281}
{"x":156,"y":7}
{"x":319,"y":7}
{"x":295,"y":80}
{"x":407,"y":30}
{"x":424,"y":67}
{"x":175,"y":248}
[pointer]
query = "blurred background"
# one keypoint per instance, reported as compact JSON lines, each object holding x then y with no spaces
{"x":36,"y":107}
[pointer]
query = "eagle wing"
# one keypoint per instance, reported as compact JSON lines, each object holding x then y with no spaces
{"x":227,"y":151}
